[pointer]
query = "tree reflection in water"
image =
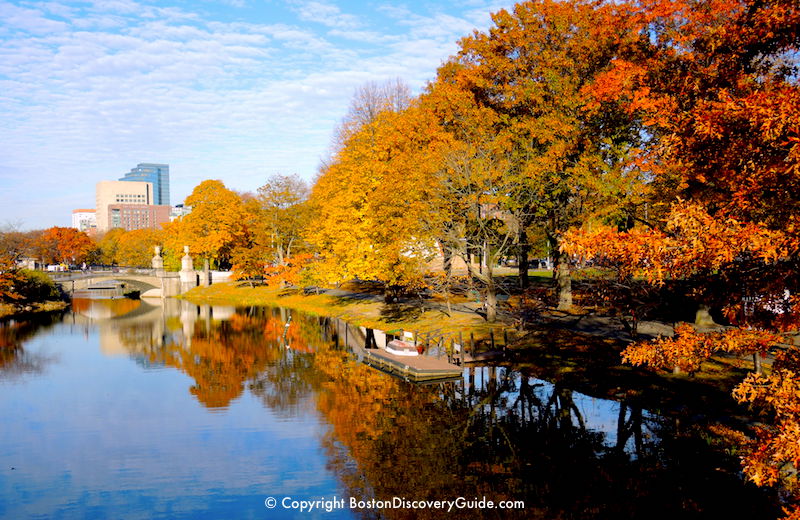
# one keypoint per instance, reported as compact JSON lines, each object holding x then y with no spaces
{"x":503,"y":434}
{"x":499,"y":433}
{"x":15,"y":361}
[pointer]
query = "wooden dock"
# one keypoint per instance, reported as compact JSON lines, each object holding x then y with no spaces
{"x":367,"y":345}
{"x":412,"y":368}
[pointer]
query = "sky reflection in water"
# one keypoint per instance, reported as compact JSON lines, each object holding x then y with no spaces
{"x":177,"y":411}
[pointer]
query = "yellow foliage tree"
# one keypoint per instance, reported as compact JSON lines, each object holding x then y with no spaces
{"x":370,"y":204}
{"x":214,"y":226}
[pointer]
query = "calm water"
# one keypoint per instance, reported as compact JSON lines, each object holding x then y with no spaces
{"x":124,"y":409}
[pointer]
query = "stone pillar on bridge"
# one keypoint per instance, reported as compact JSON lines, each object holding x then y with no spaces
{"x":158,"y":263}
{"x":205,"y":275}
{"x":188,"y":275}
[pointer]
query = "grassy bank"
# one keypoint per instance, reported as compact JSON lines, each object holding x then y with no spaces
{"x":357,"y":306}
{"x":8,"y":310}
{"x":30,"y":292}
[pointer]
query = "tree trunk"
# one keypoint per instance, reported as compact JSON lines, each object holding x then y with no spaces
{"x":491,"y":295}
{"x":289,"y":248}
{"x":206,"y":281}
{"x":563,"y":281}
{"x":470,"y":271}
{"x":522,"y":258}
{"x":447,"y":261}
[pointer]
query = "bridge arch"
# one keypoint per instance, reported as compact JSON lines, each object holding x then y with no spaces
{"x":140,"y":283}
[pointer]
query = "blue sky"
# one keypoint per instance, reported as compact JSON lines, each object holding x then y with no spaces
{"x":235,"y":90}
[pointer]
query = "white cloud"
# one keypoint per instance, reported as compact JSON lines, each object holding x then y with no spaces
{"x":27,"y":20}
{"x":231,"y":97}
{"x":326,"y":14}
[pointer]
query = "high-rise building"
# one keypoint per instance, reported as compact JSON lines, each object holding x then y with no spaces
{"x":155,"y":174}
{"x":128,"y":205}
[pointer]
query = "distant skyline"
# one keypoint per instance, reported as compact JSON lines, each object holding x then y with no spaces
{"x":236,"y":90}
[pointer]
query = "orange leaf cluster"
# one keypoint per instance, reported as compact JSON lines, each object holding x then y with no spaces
{"x":9,"y":278}
{"x":64,"y":245}
{"x":288,"y":273}
{"x":774,"y":456}
{"x":692,"y":242}
{"x":688,"y":349}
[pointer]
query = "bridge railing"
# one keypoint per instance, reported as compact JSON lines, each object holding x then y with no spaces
{"x":86,"y":273}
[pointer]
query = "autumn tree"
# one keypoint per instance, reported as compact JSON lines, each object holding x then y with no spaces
{"x":214,"y":226}
{"x":368,"y":101}
{"x":466,"y":208}
{"x":136,"y":247}
{"x":285,"y":213}
{"x":272,"y":224}
{"x":10,"y":278}
{"x":562,"y":154}
{"x":64,"y":245}
{"x":108,"y":244}
{"x":368,"y":203}
{"x":18,"y":243}
{"x":716,"y":85}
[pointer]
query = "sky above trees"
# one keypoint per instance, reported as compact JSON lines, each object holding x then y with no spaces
{"x":235,"y":89}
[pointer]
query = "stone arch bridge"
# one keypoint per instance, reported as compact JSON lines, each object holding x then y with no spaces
{"x":149,"y":282}
{"x":80,"y":281}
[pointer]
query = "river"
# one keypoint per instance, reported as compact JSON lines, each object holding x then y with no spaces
{"x":143,"y":409}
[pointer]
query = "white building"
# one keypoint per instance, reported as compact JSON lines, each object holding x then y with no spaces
{"x":178,"y":211}
{"x":84,"y":219}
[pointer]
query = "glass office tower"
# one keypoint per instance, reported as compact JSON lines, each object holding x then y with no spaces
{"x":158,"y":174}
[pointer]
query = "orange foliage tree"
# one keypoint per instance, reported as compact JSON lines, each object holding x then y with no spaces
{"x":135,"y":247}
{"x":274,"y":222}
{"x":64,"y":245}
{"x":10,"y":277}
{"x":716,"y":85}
{"x":108,"y":244}
{"x":561,"y":154}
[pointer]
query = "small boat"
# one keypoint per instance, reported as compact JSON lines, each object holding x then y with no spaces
{"x":401,"y":348}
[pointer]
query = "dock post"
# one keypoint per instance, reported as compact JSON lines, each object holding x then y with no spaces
{"x":505,"y":339}
{"x":472,"y":345}
{"x":452,"y":352}
{"x":491,"y":338}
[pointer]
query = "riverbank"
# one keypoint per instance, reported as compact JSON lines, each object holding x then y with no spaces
{"x":581,"y":351}
{"x":9,"y":311}
{"x":358,"y":306}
